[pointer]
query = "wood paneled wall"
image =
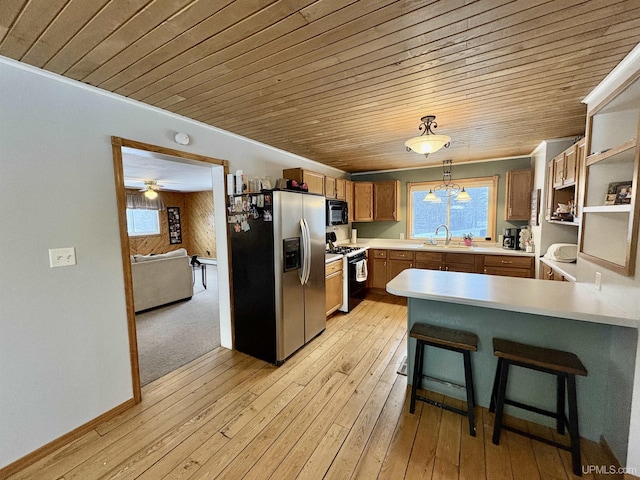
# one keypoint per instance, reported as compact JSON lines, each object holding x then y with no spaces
{"x":198,"y":230}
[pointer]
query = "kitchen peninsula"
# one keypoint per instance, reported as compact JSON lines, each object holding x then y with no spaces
{"x":558,"y":315}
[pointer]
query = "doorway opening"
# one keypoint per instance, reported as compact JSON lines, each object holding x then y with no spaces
{"x":176,"y":167}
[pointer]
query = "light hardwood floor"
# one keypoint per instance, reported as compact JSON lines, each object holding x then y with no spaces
{"x":337,"y":409}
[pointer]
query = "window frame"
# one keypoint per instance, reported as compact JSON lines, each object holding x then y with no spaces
{"x":130,"y":221}
{"x":473,"y":182}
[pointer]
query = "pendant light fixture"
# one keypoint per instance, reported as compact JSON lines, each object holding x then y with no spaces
{"x":447,"y":188}
{"x":150,"y":190}
{"x":428,"y":142}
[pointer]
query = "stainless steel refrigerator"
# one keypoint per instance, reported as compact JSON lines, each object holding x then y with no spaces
{"x":277,"y":242}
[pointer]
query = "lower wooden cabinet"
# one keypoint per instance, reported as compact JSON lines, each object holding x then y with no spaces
{"x":509,"y":266}
{"x":333,"y":283}
{"x":377,"y":277}
{"x":384,"y":265}
{"x":398,"y":260}
{"x":548,"y":273}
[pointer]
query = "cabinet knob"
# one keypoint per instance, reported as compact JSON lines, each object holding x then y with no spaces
{"x":446,"y":268}
{"x":485,"y":270}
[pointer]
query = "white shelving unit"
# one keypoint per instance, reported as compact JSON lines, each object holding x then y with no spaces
{"x":608,"y":232}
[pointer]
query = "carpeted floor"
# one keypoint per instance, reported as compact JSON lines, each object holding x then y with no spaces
{"x":173,"y":335}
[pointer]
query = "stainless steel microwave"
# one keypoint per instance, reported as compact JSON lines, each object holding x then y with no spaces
{"x":337,"y":213}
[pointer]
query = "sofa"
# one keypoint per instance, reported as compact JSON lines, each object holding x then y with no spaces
{"x":161,"y":279}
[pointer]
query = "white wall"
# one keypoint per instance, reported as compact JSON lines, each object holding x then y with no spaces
{"x":547,"y":233}
{"x":64,"y":355}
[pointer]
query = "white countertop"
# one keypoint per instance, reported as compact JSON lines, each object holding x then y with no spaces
{"x":527,"y":295}
{"x":454,"y":247}
{"x":566,"y":269}
{"x":332,"y":257}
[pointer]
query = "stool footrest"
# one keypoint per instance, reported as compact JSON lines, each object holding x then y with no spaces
{"x":537,"y":437}
{"x":533,"y":409}
{"x":444,"y":406}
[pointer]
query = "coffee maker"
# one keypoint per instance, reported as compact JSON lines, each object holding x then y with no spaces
{"x":511,"y":238}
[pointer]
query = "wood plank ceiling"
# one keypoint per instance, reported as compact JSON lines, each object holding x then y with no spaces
{"x":342,"y":82}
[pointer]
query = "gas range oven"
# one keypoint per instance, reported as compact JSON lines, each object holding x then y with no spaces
{"x":354,"y":266}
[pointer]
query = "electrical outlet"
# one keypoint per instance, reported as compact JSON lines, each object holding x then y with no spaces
{"x":598,"y":281}
{"x":62,"y":257}
{"x":402,"y":236}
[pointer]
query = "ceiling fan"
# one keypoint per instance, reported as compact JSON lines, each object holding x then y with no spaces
{"x":150,"y":189}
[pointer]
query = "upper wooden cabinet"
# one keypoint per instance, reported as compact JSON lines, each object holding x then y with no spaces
{"x":518,"y":201}
{"x":565,"y":167}
{"x":335,"y":188}
{"x":363,"y":201}
{"x":329,"y":187}
{"x":564,"y":182}
{"x":314,"y":180}
{"x":341,"y":189}
{"x":377,"y":201}
{"x":386,"y":201}
{"x":348,"y":197}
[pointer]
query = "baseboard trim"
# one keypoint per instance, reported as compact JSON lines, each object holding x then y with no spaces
{"x":50,"y":447}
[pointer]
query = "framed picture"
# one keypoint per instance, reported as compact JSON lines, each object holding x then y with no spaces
{"x":175,"y":228}
{"x":619,"y":193}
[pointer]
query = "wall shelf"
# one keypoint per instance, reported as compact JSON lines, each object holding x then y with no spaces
{"x":600,"y":156}
{"x":607,"y":209}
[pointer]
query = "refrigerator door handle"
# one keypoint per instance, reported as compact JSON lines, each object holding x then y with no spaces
{"x":303,"y":252}
{"x":306,"y":249}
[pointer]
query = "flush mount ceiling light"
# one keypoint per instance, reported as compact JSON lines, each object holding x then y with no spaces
{"x":428,"y":142}
{"x":447,"y":188}
{"x":151,"y":189}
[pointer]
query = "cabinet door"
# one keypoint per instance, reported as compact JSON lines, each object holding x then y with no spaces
{"x":363,"y":199}
{"x":546,"y":272}
{"x":558,"y":171}
{"x":341,"y":187}
{"x":429,"y":260}
{"x":386,"y":201}
{"x":330,"y":187}
{"x":570,"y":165}
{"x":397,"y":266}
{"x":314,"y":180}
{"x":334,"y":292}
{"x":348,"y":197}
{"x":549,"y":205}
{"x":518,"y":201}
{"x":377,"y":272}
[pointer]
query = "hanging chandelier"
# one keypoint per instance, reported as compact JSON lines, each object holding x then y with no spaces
{"x":447,"y":188}
{"x":428,"y":142}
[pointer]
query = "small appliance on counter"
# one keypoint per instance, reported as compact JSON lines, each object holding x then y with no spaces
{"x":511,"y":238}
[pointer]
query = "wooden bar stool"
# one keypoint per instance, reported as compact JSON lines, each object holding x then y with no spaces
{"x":564,"y":365}
{"x":449,"y":339}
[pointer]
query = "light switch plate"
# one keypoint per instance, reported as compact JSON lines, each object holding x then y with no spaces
{"x":62,"y":257}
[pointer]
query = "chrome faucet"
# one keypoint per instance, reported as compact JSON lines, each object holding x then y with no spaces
{"x":447,"y":237}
